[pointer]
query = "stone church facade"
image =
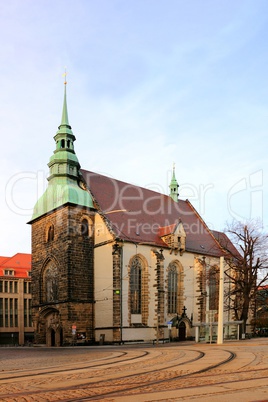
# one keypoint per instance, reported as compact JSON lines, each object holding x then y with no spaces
{"x":113,"y":262}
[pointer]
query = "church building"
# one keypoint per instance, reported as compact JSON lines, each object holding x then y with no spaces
{"x":114,"y":262}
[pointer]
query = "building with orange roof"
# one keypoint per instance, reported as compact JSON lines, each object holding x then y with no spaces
{"x":15,"y":300}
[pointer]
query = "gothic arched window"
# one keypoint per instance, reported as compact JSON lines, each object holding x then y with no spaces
{"x":50,"y":233}
{"x":50,"y":281}
{"x":172,"y":289}
{"x":135,"y":286}
{"x":213,"y":284}
{"x":84,"y":228}
{"x":175,"y":288}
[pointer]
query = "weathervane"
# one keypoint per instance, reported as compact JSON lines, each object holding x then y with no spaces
{"x":64,"y":75}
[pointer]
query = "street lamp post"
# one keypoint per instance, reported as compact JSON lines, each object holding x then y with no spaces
{"x":220,"y":315}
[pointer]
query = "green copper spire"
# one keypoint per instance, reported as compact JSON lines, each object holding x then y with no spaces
{"x":64,"y":118}
{"x":65,"y":127}
{"x":174,"y":187}
{"x":64,"y":178}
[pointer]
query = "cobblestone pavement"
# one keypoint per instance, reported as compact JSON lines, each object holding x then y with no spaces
{"x":234,"y":371}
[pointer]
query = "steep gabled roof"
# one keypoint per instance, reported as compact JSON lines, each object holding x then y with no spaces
{"x":136,"y":214}
{"x":226,"y":243}
{"x":2,"y":259}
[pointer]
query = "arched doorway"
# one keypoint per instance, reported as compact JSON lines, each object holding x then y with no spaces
{"x":182,"y":331}
{"x":53,"y":329}
{"x":61,"y":337}
{"x":180,"y":328}
{"x":52,"y":337}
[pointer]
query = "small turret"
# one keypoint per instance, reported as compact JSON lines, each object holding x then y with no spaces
{"x":174,"y":187}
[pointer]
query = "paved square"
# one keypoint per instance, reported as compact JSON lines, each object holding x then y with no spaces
{"x":234,"y":371}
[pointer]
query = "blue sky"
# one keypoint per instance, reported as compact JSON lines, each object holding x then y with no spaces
{"x":150,"y":82}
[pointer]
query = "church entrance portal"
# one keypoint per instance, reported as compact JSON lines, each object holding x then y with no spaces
{"x":182,"y":331}
{"x":53,"y":328}
{"x":52,"y":339}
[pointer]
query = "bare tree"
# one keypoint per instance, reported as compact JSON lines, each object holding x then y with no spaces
{"x":248,"y":266}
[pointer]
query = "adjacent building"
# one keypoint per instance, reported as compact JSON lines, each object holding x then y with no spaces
{"x":261,"y":311}
{"x":15,"y":300}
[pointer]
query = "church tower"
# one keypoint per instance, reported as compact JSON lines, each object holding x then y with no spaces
{"x":62,"y":249}
{"x":174,"y":187}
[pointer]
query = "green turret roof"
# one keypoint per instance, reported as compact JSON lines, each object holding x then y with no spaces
{"x":65,"y":177}
{"x":174,"y":187}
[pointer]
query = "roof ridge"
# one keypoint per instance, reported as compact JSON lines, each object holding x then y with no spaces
{"x":5,"y":259}
{"x":127,"y":183}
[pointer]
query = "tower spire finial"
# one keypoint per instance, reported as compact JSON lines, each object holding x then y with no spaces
{"x":65,"y":75}
{"x":64,"y":118}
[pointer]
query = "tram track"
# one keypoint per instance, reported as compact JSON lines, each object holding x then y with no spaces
{"x":74,"y":367}
{"x":106,"y":363}
{"x":168,"y":373}
{"x":175,"y":377}
{"x":91,"y":389}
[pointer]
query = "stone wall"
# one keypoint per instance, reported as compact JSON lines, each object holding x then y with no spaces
{"x":62,"y":273}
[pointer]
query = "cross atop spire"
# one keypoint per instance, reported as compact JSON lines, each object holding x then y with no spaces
{"x":65,"y":127}
{"x":64,"y":118}
{"x":65,"y":75}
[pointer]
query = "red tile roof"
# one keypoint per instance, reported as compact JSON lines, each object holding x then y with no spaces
{"x":136,"y":214}
{"x":20,"y":263}
{"x":2,"y":259}
{"x":166,"y":230}
{"x":263,"y":287}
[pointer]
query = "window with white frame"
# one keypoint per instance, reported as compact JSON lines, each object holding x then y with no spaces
{"x":9,"y":272}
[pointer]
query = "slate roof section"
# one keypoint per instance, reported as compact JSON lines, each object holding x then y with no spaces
{"x":226,"y":243}
{"x":135,"y":214}
{"x":20,"y":263}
